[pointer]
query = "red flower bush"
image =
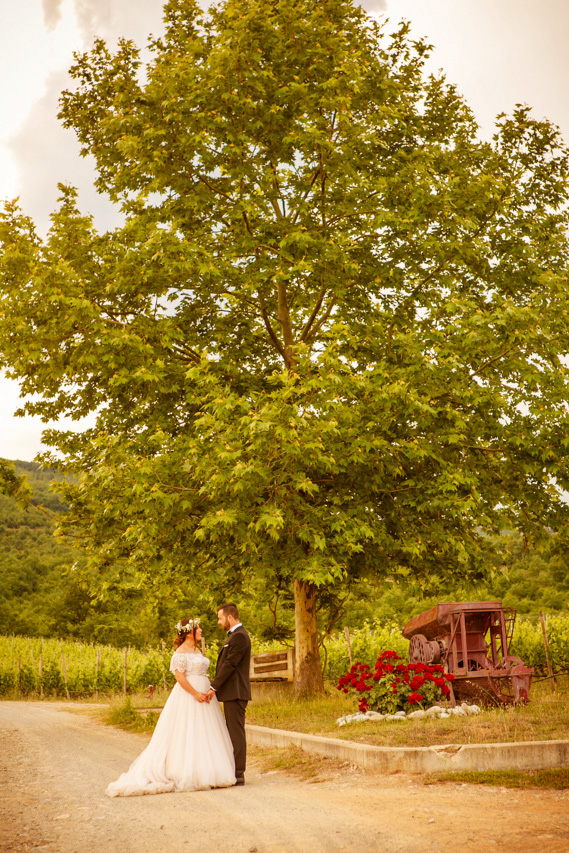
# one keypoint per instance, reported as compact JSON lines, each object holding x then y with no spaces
{"x":393,"y":686}
{"x":415,"y":698}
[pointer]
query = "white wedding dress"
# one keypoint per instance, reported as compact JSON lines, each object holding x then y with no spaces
{"x":190,"y":749}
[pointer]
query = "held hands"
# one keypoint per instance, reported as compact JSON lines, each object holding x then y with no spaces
{"x":204,"y":697}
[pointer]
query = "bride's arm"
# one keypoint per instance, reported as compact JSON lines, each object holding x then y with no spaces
{"x":183,"y":682}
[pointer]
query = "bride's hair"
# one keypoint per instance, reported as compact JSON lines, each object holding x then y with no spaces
{"x":182,"y":631}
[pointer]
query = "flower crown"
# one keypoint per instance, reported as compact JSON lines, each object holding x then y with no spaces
{"x":190,"y":625}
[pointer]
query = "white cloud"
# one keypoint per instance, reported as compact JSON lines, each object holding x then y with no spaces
{"x":51,"y":13}
{"x":46,"y":154}
{"x":374,"y":5}
{"x":40,"y":150}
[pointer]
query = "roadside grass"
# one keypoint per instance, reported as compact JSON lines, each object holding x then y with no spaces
{"x":546,"y":717}
{"x":557,"y":777}
{"x":142,"y":701}
{"x":314,"y":768}
{"x":303,"y":765}
{"x":122,"y":715}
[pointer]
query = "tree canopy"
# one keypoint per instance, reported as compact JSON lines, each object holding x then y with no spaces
{"x":330,"y":338}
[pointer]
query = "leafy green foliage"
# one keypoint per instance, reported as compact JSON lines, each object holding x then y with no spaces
{"x":329,"y":341}
{"x":43,"y":594}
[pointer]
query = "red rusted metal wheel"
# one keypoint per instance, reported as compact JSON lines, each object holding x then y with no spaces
{"x":418,"y":647}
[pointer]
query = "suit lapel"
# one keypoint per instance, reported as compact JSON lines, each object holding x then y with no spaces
{"x":221,"y":653}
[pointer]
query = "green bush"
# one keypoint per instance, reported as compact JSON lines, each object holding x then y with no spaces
{"x":7,"y":683}
{"x":53,"y":682}
{"x":26,"y":680}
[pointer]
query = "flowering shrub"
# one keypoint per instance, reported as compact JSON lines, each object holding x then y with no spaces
{"x":395,"y":686}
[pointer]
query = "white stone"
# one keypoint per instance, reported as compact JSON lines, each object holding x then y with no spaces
{"x":458,"y":712}
{"x":374,"y":715}
{"x":443,"y":716}
{"x":395,"y":718}
{"x":417,"y":715}
{"x":470,"y":709}
{"x":434,"y":711}
{"x":400,"y":714}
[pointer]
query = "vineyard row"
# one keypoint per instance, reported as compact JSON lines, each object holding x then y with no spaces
{"x":31,"y":666}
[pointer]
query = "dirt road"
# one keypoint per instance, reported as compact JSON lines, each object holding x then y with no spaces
{"x":55,"y":765}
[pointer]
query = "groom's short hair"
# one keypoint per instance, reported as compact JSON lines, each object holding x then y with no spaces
{"x":230,"y":609}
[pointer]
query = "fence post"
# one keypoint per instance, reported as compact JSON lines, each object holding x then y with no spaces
{"x":125,"y":669}
{"x":97,"y":673}
{"x":546,"y":644}
{"x":163,"y":644}
{"x":65,"y":676}
{"x":41,"y":676}
{"x":347,"y":633}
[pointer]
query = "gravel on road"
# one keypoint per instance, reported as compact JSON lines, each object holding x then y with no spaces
{"x":55,"y":764}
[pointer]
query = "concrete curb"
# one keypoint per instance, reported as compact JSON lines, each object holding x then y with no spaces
{"x":526,"y":755}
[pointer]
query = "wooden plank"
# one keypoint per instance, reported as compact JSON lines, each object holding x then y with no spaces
{"x":270,"y":657}
{"x":266,"y":679}
{"x":273,"y":666}
{"x":270,"y":667}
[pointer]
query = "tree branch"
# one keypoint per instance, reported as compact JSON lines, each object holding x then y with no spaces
{"x":272,"y":334}
{"x":315,"y":311}
{"x":490,"y":361}
{"x":321,"y":322}
{"x":286,"y":325}
{"x":276,"y":208}
{"x":305,"y":194}
{"x":214,"y":189}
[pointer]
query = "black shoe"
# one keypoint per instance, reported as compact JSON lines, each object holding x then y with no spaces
{"x":240,"y":780}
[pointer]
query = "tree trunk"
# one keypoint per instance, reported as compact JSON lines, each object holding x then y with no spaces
{"x":307,"y":672}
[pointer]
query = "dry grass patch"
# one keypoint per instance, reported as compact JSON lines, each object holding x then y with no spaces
{"x":303,"y":765}
{"x":557,"y":778}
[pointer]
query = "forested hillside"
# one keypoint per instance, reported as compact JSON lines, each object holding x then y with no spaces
{"x":42,"y":596}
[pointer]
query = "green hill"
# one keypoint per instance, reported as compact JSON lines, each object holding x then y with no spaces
{"x":40,"y":594}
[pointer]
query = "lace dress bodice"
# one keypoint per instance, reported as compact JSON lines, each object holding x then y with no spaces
{"x":190,"y":663}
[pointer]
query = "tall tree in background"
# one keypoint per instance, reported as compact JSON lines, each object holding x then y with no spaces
{"x":329,"y":339}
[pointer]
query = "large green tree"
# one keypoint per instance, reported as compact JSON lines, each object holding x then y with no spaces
{"x":330,"y":337}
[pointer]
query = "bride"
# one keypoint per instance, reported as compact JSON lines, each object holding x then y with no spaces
{"x":190,"y":749}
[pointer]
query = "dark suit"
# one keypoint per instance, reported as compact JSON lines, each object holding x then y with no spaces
{"x":233,"y":688}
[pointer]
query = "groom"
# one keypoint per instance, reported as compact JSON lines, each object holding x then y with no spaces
{"x":231,"y":683}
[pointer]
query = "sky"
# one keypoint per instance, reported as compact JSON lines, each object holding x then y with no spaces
{"x":498,"y":52}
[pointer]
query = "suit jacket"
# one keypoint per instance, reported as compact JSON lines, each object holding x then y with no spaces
{"x":232,"y":671}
